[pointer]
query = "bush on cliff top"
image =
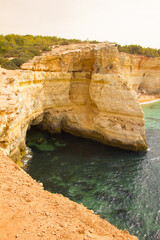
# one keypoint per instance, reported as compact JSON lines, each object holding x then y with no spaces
{"x":14,"y":63}
{"x":136,"y":49}
{"x":2,"y":60}
{"x":25,"y":47}
{"x":9,"y":65}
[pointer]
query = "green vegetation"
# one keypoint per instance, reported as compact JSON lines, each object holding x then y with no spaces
{"x":136,"y":49}
{"x":23,"y":48}
{"x":18,"y":49}
{"x":9,"y":65}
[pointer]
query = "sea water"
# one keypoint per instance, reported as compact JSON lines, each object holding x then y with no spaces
{"x":121,"y":186}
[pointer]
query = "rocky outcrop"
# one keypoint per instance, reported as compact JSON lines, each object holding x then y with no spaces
{"x":81,"y":89}
{"x":143,"y":73}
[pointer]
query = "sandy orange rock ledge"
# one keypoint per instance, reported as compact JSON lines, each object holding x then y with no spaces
{"x":27,"y":212}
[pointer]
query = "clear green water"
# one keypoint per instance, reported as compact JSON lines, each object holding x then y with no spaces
{"x":121,"y":186}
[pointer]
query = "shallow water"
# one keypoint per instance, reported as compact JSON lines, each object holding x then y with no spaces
{"x":121,"y":186}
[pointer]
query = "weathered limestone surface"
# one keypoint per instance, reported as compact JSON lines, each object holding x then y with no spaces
{"x":81,"y":89}
{"x":143,"y":73}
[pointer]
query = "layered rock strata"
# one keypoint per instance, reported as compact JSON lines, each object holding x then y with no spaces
{"x":143,"y":73}
{"x":80,"y":89}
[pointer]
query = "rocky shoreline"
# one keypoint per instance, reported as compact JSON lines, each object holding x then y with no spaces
{"x":30,"y":213}
{"x":86,"y":91}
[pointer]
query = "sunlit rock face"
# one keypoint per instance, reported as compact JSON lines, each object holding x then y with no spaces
{"x":143,"y":73}
{"x":81,"y":89}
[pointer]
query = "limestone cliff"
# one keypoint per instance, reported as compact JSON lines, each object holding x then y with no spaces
{"x":81,"y":89}
{"x":143,"y":73}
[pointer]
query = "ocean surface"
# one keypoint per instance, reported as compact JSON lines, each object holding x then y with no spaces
{"x":121,"y":186}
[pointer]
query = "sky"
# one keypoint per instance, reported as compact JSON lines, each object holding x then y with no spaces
{"x":121,"y":21}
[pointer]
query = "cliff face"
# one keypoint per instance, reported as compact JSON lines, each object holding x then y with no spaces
{"x":143,"y":73}
{"x":81,"y":89}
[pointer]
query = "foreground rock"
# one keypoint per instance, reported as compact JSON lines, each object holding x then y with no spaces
{"x":81,"y":89}
{"x":27,"y":212}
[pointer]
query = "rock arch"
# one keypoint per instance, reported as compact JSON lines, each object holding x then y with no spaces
{"x":63,"y":90}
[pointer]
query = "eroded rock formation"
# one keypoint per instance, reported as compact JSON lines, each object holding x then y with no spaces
{"x":81,"y":89}
{"x":143,"y":73}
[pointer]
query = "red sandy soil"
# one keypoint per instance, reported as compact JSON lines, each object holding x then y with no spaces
{"x":28,"y":212}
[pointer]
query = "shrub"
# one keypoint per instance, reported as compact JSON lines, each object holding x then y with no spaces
{"x":12,"y":52}
{"x":46,"y":49}
{"x":64,"y":43}
{"x":136,"y":49}
{"x":9,"y":65}
{"x":19,"y":61}
{"x":2,"y":60}
{"x":26,"y":55}
{"x":34,"y":51}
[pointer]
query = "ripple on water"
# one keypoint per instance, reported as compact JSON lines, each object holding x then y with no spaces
{"x":122,"y":186}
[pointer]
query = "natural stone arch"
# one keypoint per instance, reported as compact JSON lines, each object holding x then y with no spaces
{"x":63,"y":90}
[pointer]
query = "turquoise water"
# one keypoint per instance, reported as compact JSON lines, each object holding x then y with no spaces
{"x":121,"y":186}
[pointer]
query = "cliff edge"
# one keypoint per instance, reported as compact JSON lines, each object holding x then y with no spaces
{"x":30,"y":213}
{"x":80,"y":89}
{"x":87,"y":90}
